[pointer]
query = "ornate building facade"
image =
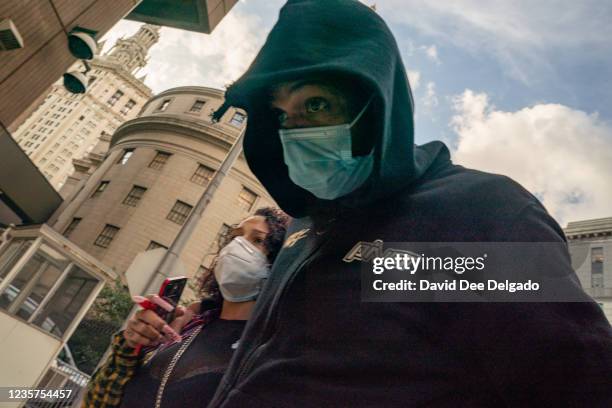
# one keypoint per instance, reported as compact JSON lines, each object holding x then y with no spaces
{"x":134,"y":191}
{"x":590,"y":246}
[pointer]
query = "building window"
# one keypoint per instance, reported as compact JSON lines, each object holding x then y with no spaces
{"x":101,"y":187}
{"x":164,"y":105}
{"x":159,"y":160}
{"x":106,"y":236}
{"x":238,"y":119}
{"x":597,"y":262}
{"x":127,"y":153}
{"x":12,"y":254}
{"x":33,"y":282}
{"x":113,"y":99}
{"x":72,"y":226}
{"x":128,"y":106}
{"x":197,"y":106}
{"x":61,"y":309}
{"x":134,"y":196}
{"x":202,"y":175}
{"x":155,"y":245}
{"x":179,"y":213}
{"x":246,"y":199}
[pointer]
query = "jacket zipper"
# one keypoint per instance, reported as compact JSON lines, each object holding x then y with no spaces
{"x":268,"y":329}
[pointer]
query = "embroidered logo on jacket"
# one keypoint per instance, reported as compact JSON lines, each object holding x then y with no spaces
{"x":366,"y":251}
{"x":295,"y":237}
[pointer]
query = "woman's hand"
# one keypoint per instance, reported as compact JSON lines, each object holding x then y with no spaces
{"x":184,"y":315}
{"x":147,"y":328}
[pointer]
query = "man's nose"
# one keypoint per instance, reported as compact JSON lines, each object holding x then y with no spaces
{"x":296,"y":121}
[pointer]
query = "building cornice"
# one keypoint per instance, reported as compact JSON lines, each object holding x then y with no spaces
{"x":137,"y":133}
{"x":188,"y":90}
{"x":126,"y":76}
{"x":174,"y":124}
{"x":595,"y":228}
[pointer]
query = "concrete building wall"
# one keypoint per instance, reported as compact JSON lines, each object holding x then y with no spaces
{"x":590,"y":247}
{"x":31,"y":350}
{"x":581,"y":250}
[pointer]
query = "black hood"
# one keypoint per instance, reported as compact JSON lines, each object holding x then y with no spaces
{"x":341,"y":37}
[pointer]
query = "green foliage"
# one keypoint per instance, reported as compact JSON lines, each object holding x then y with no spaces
{"x":113,"y":304}
{"x":92,"y":337}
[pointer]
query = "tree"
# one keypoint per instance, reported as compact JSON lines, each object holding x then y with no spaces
{"x":92,"y":337}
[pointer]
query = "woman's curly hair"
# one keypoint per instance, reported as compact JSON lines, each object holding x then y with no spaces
{"x":276,"y":221}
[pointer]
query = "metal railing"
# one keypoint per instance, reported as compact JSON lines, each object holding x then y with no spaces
{"x":61,"y":375}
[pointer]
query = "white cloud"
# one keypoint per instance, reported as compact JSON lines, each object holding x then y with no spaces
{"x":546,"y":22}
{"x":183,"y":58}
{"x":431,"y":52}
{"x":414,"y":77}
{"x":408,"y":47}
{"x":518,"y":33}
{"x":430,"y":100}
{"x":562,"y":155}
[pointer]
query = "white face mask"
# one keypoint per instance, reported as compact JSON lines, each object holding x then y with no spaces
{"x":241,"y":270}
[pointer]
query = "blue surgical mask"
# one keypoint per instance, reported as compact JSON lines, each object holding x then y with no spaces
{"x":320,"y":159}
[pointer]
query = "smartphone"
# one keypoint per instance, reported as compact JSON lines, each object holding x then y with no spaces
{"x":171,"y":291}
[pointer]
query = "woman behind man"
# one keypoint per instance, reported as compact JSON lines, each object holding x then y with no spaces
{"x":184,"y":373}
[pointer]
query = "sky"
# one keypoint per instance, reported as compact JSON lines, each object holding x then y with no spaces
{"x":521,"y":88}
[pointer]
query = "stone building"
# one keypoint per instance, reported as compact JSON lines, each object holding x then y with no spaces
{"x":27,"y":72}
{"x":67,"y":126}
{"x":134,"y":190}
{"x":590,"y":246}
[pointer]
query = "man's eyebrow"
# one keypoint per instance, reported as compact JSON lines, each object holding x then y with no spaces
{"x":297,"y":85}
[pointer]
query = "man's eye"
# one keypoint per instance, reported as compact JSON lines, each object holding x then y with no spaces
{"x":314,"y":105}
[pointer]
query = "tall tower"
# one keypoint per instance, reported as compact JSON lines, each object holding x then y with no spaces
{"x":131,"y":53}
{"x":65,"y":127}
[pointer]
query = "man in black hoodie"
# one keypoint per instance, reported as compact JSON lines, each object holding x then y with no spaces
{"x":311,"y":341}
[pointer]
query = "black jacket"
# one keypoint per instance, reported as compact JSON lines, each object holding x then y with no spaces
{"x":312,"y":342}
